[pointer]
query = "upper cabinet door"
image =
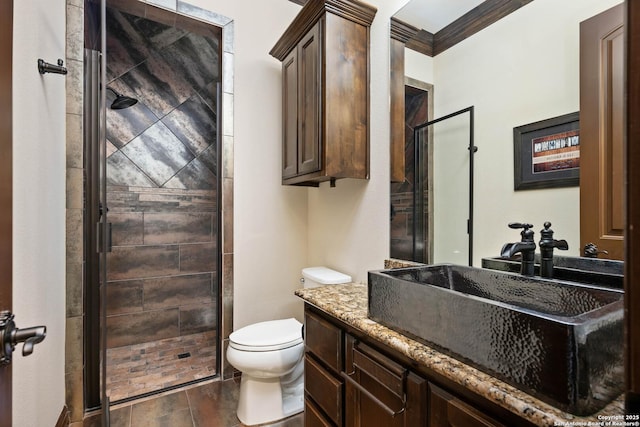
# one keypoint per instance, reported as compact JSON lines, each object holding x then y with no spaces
{"x":290,"y":115}
{"x":601,"y":132}
{"x":309,"y":109}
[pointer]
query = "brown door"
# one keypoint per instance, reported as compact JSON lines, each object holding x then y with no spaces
{"x":632,"y":238}
{"x":602,"y":219}
{"x":6,"y":37}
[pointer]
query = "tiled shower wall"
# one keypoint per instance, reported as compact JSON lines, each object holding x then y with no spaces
{"x":162,"y":270}
{"x":74,"y":372}
{"x":162,"y":178}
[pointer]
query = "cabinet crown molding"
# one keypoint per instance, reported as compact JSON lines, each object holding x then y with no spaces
{"x":311,"y":13}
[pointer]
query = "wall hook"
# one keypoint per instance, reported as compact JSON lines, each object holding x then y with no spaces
{"x":45,"y":67}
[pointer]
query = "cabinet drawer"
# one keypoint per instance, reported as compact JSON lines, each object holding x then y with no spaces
{"x":446,"y":410}
{"x":324,"y":340}
{"x":375,"y":387}
{"x":313,"y":416}
{"x":323,"y":388}
{"x":388,"y":373}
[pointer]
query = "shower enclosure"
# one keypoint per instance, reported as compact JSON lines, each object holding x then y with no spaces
{"x":152,"y":156}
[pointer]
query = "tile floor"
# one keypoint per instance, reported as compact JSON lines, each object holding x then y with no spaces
{"x":212,"y":404}
{"x":142,"y":368}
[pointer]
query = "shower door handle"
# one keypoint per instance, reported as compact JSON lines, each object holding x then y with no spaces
{"x":10,"y":336}
{"x":101,"y":237}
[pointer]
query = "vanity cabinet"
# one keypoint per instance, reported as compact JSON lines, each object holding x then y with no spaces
{"x":380,"y":391}
{"x":447,"y":410}
{"x":325,"y":92}
{"x":323,"y":360}
{"x":353,"y":380}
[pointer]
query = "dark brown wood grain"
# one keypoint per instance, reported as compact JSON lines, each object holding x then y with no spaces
{"x":6,"y":190}
{"x":324,"y":340}
{"x":327,"y":129}
{"x":414,"y":38}
{"x":480,"y":17}
{"x":397,"y":105}
{"x":353,"y":10}
{"x":474,"y":21}
{"x":601,"y":132}
{"x":289,"y":115}
{"x":632,"y":236}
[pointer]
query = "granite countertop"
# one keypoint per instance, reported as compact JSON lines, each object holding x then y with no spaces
{"x":348,"y":303}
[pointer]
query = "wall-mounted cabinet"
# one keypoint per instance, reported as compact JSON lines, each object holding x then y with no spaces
{"x":325,"y":88}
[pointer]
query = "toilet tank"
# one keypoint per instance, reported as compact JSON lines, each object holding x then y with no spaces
{"x":317,"y":276}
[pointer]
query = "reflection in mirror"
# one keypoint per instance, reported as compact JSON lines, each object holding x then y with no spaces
{"x":432,"y":208}
{"x":514,"y":72}
{"x":406,"y":242}
{"x":451,"y":179}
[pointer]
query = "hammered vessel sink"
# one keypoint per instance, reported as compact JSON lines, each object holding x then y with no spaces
{"x":559,"y":341}
{"x":601,"y":272}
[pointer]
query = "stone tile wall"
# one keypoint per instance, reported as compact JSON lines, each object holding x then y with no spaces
{"x":162,"y":180}
{"x":162,"y":270}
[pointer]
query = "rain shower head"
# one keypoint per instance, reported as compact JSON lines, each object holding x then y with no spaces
{"x":121,"y":101}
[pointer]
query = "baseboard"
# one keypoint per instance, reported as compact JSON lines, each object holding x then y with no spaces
{"x":64,"y":419}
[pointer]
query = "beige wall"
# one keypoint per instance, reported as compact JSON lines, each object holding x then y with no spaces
{"x":39,"y":209}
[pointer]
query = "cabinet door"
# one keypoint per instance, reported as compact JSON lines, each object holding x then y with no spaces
{"x":290,"y":115}
{"x":313,"y":417}
{"x":309,"y":101}
{"x":380,"y":392}
{"x":446,"y":410}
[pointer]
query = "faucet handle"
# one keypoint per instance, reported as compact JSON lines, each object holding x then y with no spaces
{"x":591,"y":251}
{"x":526,"y":233}
{"x":517,"y":225}
{"x":547,"y":240}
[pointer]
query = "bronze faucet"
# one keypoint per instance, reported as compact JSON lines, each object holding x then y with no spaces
{"x":547,"y":244}
{"x":526,"y":247}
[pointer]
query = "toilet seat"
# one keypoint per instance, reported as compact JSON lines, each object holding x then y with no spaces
{"x":271,"y":335}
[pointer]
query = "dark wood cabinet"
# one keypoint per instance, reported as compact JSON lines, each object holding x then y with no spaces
{"x":323,"y":360}
{"x":353,"y":380}
{"x":380,"y":391}
{"x":446,"y":410}
{"x":325,"y":84}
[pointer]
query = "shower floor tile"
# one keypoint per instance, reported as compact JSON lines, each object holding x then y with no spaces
{"x":142,"y":368}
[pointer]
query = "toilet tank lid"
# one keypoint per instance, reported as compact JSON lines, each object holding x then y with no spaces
{"x":325,"y":276}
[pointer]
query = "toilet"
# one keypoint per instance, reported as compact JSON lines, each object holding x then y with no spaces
{"x":270,"y":356}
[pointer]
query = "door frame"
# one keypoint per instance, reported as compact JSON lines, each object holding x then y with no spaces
{"x":6,"y":191}
{"x":632,"y":226}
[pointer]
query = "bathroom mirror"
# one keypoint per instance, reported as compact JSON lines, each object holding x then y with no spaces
{"x":514,"y":72}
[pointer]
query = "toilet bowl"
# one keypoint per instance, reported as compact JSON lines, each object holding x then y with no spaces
{"x":270,"y":356}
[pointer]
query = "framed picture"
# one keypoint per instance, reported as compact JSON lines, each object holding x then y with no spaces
{"x":546,"y":154}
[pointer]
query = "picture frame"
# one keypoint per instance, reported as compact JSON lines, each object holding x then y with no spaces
{"x":546,"y":154}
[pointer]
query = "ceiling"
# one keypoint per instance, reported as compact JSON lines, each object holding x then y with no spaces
{"x":433,"y":15}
